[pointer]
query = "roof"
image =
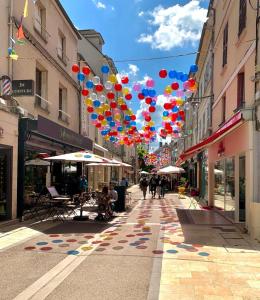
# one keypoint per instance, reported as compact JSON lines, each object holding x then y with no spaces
{"x":68,"y":19}
{"x":92,"y":33}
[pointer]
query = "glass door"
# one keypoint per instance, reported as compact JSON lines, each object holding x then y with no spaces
{"x":5,"y":183}
{"x":242,"y":189}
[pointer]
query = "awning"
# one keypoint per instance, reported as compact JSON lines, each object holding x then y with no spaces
{"x":230,"y":125}
{"x":98,"y":147}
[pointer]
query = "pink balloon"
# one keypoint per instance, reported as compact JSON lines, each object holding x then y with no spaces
{"x":137,"y":87}
{"x":180,"y":93}
{"x":150,"y":83}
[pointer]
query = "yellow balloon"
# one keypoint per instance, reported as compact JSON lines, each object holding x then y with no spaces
{"x":89,"y":102}
{"x":104,"y":122}
{"x":106,"y":106}
{"x":120,"y":101}
{"x":121,"y":142}
{"x":125,"y":90}
{"x":117,"y":117}
{"x":168,"y":89}
{"x":99,"y":110}
{"x":112,"y":78}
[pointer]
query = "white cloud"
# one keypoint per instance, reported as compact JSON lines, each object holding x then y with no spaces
{"x":133,"y":69}
{"x":99,"y":4}
{"x":140,"y":14}
{"x":176,"y":25}
{"x":131,"y":72}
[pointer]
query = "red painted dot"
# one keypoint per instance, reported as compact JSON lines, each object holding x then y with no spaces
{"x":54,"y":235}
{"x":29,"y":248}
{"x":71,"y":241}
{"x":130,"y":235}
{"x":46,"y":248}
{"x":104,"y":244}
{"x":114,"y":233}
{"x":123,"y":241}
{"x":96,"y":242}
{"x":88,"y":236}
{"x":157,"y":252}
{"x":141,"y":247}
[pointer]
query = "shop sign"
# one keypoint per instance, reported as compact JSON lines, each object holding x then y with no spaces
{"x":23,"y":88}
{"x":63,"y":134}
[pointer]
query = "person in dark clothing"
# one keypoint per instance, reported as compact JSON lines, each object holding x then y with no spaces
{"x":163,"y":184}
{"x":153,"y":184}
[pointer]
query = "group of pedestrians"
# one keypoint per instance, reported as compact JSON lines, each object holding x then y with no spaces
{"x":156,"y":184}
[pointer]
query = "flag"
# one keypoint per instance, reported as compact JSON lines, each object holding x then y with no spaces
{"x":20,"y":33}
{"x":25,"y":10}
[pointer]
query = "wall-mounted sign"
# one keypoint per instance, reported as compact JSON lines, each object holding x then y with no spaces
{"x":23,"y":88}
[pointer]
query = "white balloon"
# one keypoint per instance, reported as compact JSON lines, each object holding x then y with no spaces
{"x":96,"y":80}
{"x":108,"y":85}
{"x":103,"y":98}
{"x":93,"y":96}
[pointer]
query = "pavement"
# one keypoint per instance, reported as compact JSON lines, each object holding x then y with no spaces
{"x":158,"y":249}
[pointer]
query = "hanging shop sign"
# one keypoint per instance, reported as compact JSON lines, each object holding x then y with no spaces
{"x":23,"y":88}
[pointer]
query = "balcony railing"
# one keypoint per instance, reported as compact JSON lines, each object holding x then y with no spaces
{"x":63,"y":116}
{"x":42,"y":103}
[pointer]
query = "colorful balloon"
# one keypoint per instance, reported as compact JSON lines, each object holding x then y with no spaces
{"x":75,"y":68}
{"x":105,"y":69}
{"x":163,"y":73}
{"x":86,"y":70}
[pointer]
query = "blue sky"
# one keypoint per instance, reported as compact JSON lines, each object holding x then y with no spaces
{"x":143,"y":29}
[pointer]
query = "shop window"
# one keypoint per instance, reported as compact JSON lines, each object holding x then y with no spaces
{"x":40,"y":20}
{"x":242,"y":16}
{"x":241,"y":90}
{"x":41,"y":88}
{"x":61,"y":48}
{"x":225,"y":45}
{"x":63,"y":115}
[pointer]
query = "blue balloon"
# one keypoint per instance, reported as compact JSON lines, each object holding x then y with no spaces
{"x":152,"y":128}
{"x":179,"y":119}
{"x":153,"y":103}
{"x":94,"y":116}
{"x":172,"y":74}
{"x":178,"y":75}
{"x":194,"y":68}
{"x":112,"y":139}
{"x":81,"y":77}
{"x":184,"y":77}
{"x":109,"y":119}
{"x":112,"y":124}
{"x":104,"y":132}
{"x":151,"y":93}
{"x":133,"y":123}
{"x":165,"y":114}
{"x":127,"y":118}
{"x":89,"y":84}
{"x":96,"y":103}
{"x":175,"y":109}
{"x":145,"y":92}
{"x":105,"y":69}
{"x":120,"y":128}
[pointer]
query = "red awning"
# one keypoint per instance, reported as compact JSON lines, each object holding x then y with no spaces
{"x":228,"y":126}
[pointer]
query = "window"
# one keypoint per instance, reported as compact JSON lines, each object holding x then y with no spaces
{"x":242,"y":16}
{"x":61,"y":49}
{"x":240,"y":90}
{"x":63,"y":116}
{"x":40,"y":20}
{"x":225,"y":45}
{"x":223,"y":109}
{"x":41,"y":88}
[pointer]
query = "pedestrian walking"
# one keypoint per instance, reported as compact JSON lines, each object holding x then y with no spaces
{"x":124,"y":182}
{"x":164,"y":183}
{"x":153,"y":183}
{"x":158,"y":188}
{"x":83,"y":184}
{"x":143,"y":185}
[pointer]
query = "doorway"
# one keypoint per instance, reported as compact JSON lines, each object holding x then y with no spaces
{"x":5,"y":182}
{"x":242,"y":189}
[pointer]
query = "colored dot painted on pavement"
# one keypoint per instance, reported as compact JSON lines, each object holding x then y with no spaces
{"x":96,"y":242}
{"x":192,"y":250}
{"x":172,"y":251}
{"x":105,"y":244}
{"x":118,"y":248}
{"x":157,"y":252}
{"x":114,"y":233}
{"x":29,"y":248}
{"x":71,"y":241}
{"x":87,"y":248}
{"x":54,"y":235}
{"x":82,"y":242}
{"x":144,"y":239}
{"x":41,"y":243}
{"x":100,"y":249}
{"x":64,"y":245}
{"x":133,"y":244}
{"x":175,"y":243}
{"x":108,"y":238}
{"x":140,"y":234}
{"x":140,"y":242}
{"x":46,"y":248}
{"x":57,"y":241}
{"x":203,"y":254}
{"x":130,"y":235}
{"x":123,"y":241}
{"x":141,"y":247}
{"x":88,"y":236}
{"x":73,"y":252}
{"x":65,"y":234}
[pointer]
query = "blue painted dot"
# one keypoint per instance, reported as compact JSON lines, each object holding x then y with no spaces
{"x":42,"y":243}
{"x":73,"y":252}
{"x":172,"y":251}
{"x":203,"y":254}
{"x":57,"y":241}
{"x":144,"y":239}
{"x":133,"y":244}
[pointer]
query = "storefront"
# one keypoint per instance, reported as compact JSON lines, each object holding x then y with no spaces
{"x":41,"y":138}
{"x":8,"y":165}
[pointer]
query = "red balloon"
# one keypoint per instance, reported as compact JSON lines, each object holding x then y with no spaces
{"x":75,"y":68}
{"x":108,"y":113}
{"x":118,"y":87}
{"x":113,"y":104}
{"x":98,"y":125}
{"x":167,"y":106}
{"x":141,"y":96}
{"x":110,"y":96}
{"x":163,"y":73}
{"x":133,"y":117}
{"x":174,"y":117}
{"x":99,"y":88}
{"x":125,"y":80}
{"x":175,"y":86}
{"x":148,"y":100}
{"x":152,"y":109}
{"x":128,"y":97}
{"x":181,"y":113}
{"x":84,"y":92}
{"x":148,"y":118}
{"x":101,"y":117}
{"x":167,"y":125}
{"x":90,"y":109}
{"x":86,"y":70}
{"x":124,"y":107}
{"x":191,"y":82}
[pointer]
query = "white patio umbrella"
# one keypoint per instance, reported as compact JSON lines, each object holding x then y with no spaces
{"x":171,"y":170}
{"x":37,"y":162}
{"x":144,"y":172}
{"x":82,"y":156}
